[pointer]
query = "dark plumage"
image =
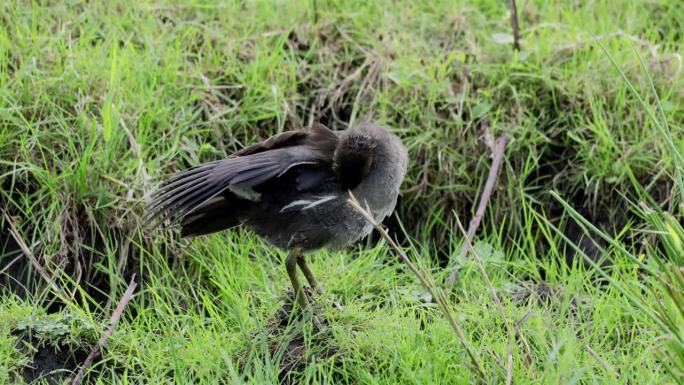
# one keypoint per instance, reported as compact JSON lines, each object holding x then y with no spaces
{"x":291,"y":190}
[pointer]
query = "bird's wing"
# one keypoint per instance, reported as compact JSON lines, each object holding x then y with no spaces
{"x":188,"y":190}
{"x":318,"y":136}
{"x":284,"y":139}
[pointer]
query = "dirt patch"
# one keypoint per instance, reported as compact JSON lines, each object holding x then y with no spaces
{"x":549,"y":297}
{"x":542,"y":292}
{"x":53,"y":345}
{"x":51,"y":363}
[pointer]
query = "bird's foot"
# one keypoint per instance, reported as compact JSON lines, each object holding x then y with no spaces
{"x":312,"y":312}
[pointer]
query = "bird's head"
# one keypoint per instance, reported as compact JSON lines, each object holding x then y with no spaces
{"x":353,"y":156}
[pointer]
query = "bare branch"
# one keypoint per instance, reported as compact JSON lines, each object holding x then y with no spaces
{"x":514,"y":25}
{"x":484,"y":199}
{"x":97,"y":349}
{"x":603,"y":362}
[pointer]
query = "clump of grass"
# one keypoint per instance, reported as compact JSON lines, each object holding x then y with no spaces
{"x":664,"y":268}
{"x":662,"y":301}
{"x":670,"y":310}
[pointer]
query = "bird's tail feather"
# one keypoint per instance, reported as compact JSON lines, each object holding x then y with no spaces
{"x":217,"y":214}
{"x":189,"y":190}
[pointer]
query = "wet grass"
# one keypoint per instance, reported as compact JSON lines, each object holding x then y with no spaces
{"x":100,"y":101}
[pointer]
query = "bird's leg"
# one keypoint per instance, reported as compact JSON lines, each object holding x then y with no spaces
{"x":309,"y":275}
{"x":291,"y":266}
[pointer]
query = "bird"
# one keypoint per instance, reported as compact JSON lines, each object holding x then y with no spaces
{"x":292,"y":190}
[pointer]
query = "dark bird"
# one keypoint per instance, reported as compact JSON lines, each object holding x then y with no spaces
{"x":290,"y":189}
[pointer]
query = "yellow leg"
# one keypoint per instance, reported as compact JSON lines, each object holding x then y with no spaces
{"x":309,"y":275}
{"x":291,"y":266}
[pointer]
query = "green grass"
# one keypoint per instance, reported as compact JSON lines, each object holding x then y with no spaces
{"x":100,"y":101}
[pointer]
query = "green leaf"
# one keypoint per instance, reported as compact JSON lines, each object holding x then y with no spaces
{"x":481,"y":109}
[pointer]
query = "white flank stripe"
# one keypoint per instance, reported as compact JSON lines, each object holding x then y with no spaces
{"x":320,"y":201}
{"x":307,"y":203}
{"x":295,"y":203}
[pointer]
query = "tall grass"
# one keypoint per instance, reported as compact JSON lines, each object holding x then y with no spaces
{"x":661,"y":295}
{"x":100,"y":100}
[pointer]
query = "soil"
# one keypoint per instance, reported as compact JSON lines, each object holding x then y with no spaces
{"x":54,"y":365}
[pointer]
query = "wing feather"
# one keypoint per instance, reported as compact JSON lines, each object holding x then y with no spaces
{"x":189,"y":190}
{"x":177,"y":199}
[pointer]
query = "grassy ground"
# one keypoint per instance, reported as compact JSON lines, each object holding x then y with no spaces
{"x":99,"y":101}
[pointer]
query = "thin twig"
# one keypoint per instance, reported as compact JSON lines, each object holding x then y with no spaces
{"x":480,"y":265}
{"x":603,"y":362}
{"x":27,"y":252}
{"x":436,"y":293}
{"x":497,"y":300}
{"x":526,"y":344}
{"x":497,"y":156}
{"x":509,"y":365}
{"x":97,"y":349}
{"x":514,"y":25}
{"x":7,"y":267}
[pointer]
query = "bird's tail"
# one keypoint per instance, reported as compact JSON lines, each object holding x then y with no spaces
{"x":219,"y":213}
